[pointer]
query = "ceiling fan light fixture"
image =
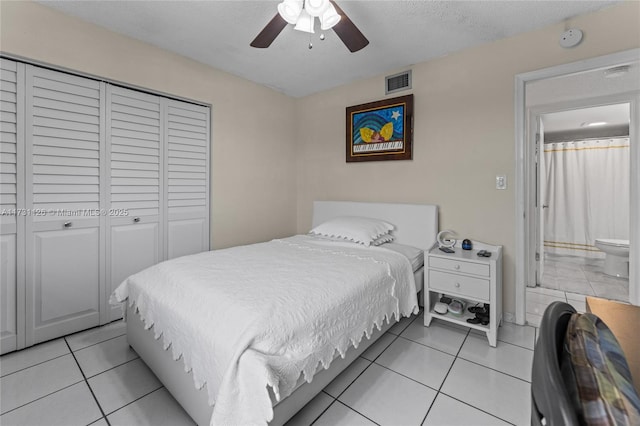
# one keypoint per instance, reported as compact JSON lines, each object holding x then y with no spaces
{"x":305,"y":22}
{"x":290,"y":10}
{"x":329,"y":18}
{"x":316,"y":7}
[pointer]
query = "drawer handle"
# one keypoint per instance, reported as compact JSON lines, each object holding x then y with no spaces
{"x":457,"y":285}
{"x":457,"y":266}
{"x":67,"y":224}
{"x":136,"y":219}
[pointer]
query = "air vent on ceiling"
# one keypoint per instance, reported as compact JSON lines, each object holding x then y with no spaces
{"x":397,"y":82}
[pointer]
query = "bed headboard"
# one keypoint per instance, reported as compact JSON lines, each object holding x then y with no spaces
{"x":416,"y":224}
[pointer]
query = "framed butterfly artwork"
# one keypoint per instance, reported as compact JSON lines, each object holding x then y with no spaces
{"x":381,"y":130}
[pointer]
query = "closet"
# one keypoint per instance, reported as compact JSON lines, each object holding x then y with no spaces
{"x":97,"y":182}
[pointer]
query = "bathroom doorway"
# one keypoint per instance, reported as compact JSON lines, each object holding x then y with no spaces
{"x":583,"y":170}
{"x":607,"y":80}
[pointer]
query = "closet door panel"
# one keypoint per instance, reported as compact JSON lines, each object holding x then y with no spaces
{"x":134,"y":141}
{"x":65,"y":235}
{"x":8,"y":280}
{"x":187,"y":178}
{"x":12,"y":205}
{"x":64,"y":263}
{"x":133,"y":248}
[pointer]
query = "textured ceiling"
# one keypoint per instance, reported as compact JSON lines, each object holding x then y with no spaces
{"x":401,"y":33}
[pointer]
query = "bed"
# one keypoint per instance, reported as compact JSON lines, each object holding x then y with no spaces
{"x":414,"y":225}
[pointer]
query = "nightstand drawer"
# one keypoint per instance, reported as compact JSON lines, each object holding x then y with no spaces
{"x":459,"y":266}
{"x":459,"y":284}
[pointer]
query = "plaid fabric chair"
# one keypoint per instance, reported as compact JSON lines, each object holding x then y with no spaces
{"x":580,"y":374}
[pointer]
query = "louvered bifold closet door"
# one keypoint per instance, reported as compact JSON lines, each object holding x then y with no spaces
{"x":65,"y":239}
{"x":135,"y":144}
{"x":12,"y":212}
{"x":187,"y":178}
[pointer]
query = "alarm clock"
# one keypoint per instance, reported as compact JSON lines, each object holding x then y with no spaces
{"x":466,"y":244}
{"x":446,"y":241}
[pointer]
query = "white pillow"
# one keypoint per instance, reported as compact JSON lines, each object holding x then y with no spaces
{"x":387,"y":238}
{"x":361,"y":230}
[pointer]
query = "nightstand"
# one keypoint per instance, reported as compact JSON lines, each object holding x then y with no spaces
{"x":468,"y":277}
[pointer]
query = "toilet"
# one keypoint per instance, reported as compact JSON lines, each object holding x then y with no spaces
{"x":616,"y":262}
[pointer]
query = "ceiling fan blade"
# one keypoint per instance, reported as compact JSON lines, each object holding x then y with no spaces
{"x":269,"y":32}
{"x":348,"y":32}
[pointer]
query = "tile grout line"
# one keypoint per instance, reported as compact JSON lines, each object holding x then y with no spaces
{"x":325,"y":410}
{"x":362,"y":372}
{"x":43,"y":396}
{"x":97,"y":343}
{"x":139,"y":398}
{"x":473,"y":406}
{"x":59,"y":356}
{"x":445,"y":377}
{"x":104,"y":416}
{"x":115,"y":366}
{"x":34,"y":365}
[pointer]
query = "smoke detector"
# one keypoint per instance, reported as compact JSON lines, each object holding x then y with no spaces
{"x":571,"y":38}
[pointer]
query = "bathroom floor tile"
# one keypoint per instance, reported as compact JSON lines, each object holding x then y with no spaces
{"x":547,"y":291}
{"x":577,"y":286}
{"x":611,"y":291}
{"x":70,"y":406}
{"x":543,"y":298}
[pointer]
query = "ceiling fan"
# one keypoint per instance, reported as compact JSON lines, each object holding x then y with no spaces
{"x":302,"y":13}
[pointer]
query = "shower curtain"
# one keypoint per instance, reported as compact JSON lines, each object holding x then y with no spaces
{"x":587,"y":194}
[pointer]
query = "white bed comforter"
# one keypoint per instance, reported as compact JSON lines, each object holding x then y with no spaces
{"x":251,"y":316}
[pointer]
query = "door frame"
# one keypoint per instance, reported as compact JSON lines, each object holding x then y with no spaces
{"x":533,"y":116}
{"x":525,"y":174}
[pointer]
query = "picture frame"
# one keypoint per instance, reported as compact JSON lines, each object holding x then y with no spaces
{"x":381,"y":130}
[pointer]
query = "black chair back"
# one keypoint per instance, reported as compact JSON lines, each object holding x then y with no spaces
{"x":550,"y":399}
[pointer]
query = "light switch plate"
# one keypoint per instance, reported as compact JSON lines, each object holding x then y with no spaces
{"x":501,"y":182}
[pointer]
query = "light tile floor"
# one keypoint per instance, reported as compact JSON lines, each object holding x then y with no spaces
{"x":575,"y":274}
{"x":570,"y":279}
{"x":413,"y":375}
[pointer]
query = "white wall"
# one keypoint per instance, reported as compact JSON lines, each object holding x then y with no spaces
{"x":463,"y":132}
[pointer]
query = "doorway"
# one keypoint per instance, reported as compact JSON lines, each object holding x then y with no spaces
{"x":583,"y":191}
{"x":553,"y":90}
